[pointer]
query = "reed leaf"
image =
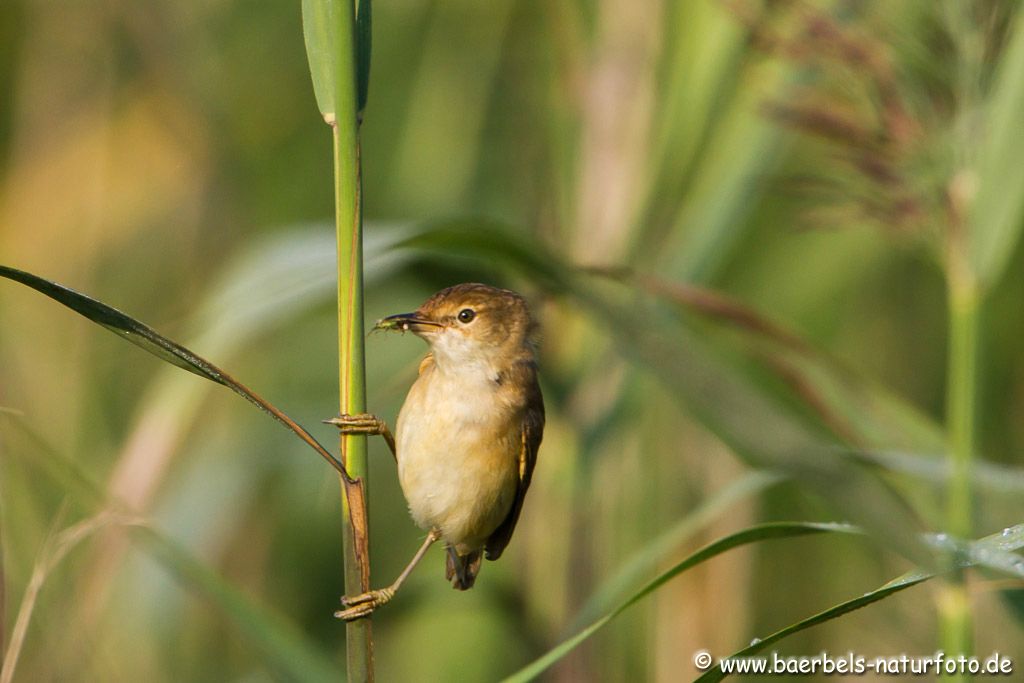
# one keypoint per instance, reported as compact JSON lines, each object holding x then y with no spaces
{"x":163,"y":348}
{"x":762,"y":532}
{"x":1000,"y":544}
{"x":997,"y":212}
{"x":318,"y":31}
{"x":653,"y":553}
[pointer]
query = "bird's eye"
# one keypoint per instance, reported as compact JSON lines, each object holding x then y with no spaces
{"x":466,"y":315}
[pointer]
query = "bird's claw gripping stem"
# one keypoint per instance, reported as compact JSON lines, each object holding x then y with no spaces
{"x":362,"y":605}
{"x":366,"y":424}
{"x":360,"y":423}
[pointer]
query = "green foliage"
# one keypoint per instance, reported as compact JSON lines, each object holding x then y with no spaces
{"x":161,"y":347}
{"x":286,"y":650}
{"x":319,"y":31}
{"x":997,"y":213}
{"x":753,"y":535}
{"x":1007,"y":540}
{"x":737,"y":224}
{"x":318,"y":28}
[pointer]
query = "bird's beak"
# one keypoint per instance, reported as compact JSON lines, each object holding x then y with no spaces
{"x":413,"y":322}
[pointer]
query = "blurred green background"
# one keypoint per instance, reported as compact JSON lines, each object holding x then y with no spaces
{"x":807,"y":159}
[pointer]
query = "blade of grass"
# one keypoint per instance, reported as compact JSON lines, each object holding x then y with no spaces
{"x":754,"y":534}
{"x":993,"y":552}
{"x":997,"y":212}
{"x":726,"y":186}
{"x":167,"y":350}
{"x":1001,"y":543}
{"x":871,"y":416}
{"x":868,"y":415}
{"x":646,"y":561}
{"x":272,"y":281}
{"x":989,"y":477}
{"x":895,"y":586}
{"x":704,"y":50}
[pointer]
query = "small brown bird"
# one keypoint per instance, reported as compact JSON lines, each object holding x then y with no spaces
{"x":469,"y":430}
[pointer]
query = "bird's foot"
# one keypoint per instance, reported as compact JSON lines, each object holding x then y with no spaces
{"x":362,"y":605}
{"x":366,"y":424}
{"x":360,"y":423}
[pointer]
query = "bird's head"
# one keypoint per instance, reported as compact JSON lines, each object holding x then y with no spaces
{"x":469,"y":323}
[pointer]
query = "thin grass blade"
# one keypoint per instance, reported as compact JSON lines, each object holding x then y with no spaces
{"x":861,"y":412}
{"x":646,"y":561}
{"x":754,"y":534}
{"x":167,"y":350}
{"x":1004,"y":542}
{"x":997,"y":212}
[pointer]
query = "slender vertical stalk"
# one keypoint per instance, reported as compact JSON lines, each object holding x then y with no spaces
{"x":351,"y":360}
{"x":960,"y":407}
{"x":954,"y":604}
{"x":961,"y":391}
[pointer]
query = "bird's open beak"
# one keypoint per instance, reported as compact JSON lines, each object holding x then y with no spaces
{"x":406,"y":321}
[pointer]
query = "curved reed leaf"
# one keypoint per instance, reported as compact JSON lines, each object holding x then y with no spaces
{"x":271,"y":281}
{"x":646,"y":561}
{"x":986,"y":476}
{"x":997,"y":212}
{"x":762,"y":532}
{"x":993,"y":552}
{"x":167,"y":350}
{"x":1000,"y":544}
{"x":855,"y":409}
{"x":895,"y":586}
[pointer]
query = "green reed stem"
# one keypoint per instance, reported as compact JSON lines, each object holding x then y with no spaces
{"x":351,"y":358}
{"x":961,"y":393}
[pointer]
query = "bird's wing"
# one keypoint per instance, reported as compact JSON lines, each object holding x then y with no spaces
{"x":531,"y":434}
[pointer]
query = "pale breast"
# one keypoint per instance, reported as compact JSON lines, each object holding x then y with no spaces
{"x":458,"y":448}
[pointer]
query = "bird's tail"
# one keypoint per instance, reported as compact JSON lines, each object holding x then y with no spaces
{"x":461,"y":570}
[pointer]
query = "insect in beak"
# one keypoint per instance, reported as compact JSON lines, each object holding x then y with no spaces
{"x":405,"y":322}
